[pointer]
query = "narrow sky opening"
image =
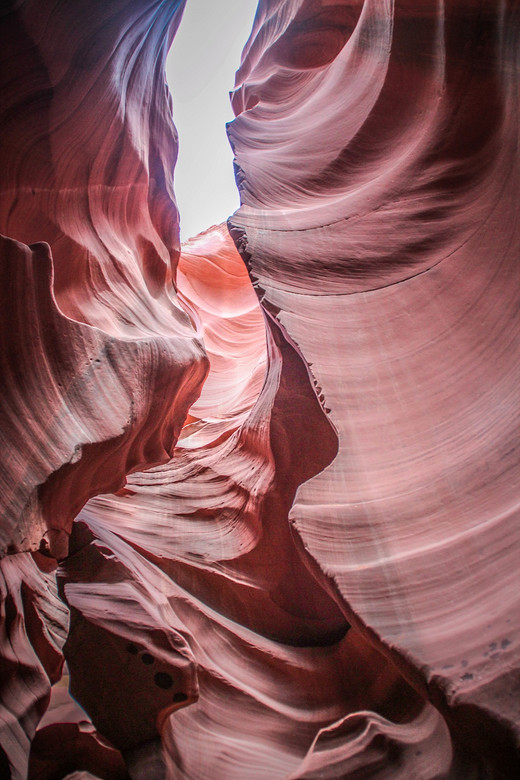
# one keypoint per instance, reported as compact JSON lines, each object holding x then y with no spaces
{"x":200,"y":71}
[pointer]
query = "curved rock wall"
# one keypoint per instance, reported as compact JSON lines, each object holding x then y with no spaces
{"x":93,"y":331}
{"x":295,"y":539}
{"x":99,"y":361}
{"x":379,"y":182}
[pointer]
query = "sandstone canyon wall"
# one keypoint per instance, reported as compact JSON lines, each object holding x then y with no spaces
{"x":263,"y":502}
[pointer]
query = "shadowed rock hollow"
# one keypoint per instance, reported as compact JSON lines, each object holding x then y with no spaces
{"x":261,"y":492}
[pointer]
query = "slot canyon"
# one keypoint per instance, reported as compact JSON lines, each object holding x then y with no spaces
{"x":261,"y":491}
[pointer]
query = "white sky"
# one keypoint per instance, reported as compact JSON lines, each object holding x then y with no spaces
{"x":200,"y":71}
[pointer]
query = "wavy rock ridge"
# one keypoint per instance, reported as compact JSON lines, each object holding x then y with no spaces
{"x":285,"y":514}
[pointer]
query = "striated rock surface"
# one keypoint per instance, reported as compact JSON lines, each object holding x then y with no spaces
{"x":281,"y":486}
{"x":33,"y":626}
{"x":268,"y":638}
{"x":99,"y":361}
{"x":379,"y":180}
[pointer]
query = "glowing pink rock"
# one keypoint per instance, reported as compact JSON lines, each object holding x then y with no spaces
{"x":321,"y":579}
{"x":267,"y":636}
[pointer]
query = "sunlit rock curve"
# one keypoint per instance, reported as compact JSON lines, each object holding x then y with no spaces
{"x":285,"y":514}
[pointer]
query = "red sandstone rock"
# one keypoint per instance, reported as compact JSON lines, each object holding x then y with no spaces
{"x":379,"y":192}
{"x":99,"y":362}
{"x":75,"y":398}
{"x":267,"y":636}
{"x":67,"y":742}
{"x":33,"y":626}
{"x":321,"y":580}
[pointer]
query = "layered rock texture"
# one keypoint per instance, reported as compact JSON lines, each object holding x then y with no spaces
{"x":261,"y":493}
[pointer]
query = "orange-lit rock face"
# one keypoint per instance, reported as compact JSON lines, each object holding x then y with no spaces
{"x":299,"y":556}
{"x":214,"y":286}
